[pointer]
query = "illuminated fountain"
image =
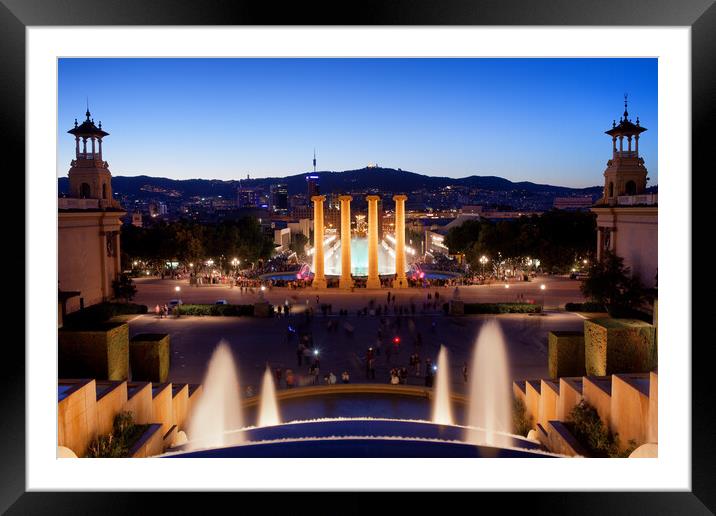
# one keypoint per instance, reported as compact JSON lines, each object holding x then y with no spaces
{"x":489,"y":406}
{"x":442,"y":412}
{"x":268,"y":409}
{"x":218,"y":411}
{"x":359,"y":258}
{"x":357,"y":420}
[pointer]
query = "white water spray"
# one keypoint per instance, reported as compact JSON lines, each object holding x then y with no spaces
{"x":442,"y":412}
{"x":218,"y":410}
{"x":489,"y":402}
{"x":268,"y":409}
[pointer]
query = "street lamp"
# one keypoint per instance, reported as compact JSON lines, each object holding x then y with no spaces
{"x":483,"y":261}
{"x":542,"y":288}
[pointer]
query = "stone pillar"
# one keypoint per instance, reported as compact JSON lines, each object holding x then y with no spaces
{"x":373,"y":278}
{"x":99,"y":140}
{"x":346,"y":281}
{"x":319,"y":276}
{"x":400,"y":280}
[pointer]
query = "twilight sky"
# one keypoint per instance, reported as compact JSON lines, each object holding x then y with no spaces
{"x":539,"y":120}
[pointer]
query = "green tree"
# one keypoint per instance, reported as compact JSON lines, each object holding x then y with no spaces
{"x":611,"y":283}
{"x":298,"y":245}
{"x":459,"y":239}
{"x":124,"y":288}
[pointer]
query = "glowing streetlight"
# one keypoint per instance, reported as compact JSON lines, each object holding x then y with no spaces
{"x":542,"y":287}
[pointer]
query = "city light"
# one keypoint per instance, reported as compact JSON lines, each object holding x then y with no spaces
{"x":177,"y":288}
{"x":542,"y":287}
{"x":263,"y":288}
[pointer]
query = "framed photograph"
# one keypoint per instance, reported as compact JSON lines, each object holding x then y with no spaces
{"x":284,"y":245}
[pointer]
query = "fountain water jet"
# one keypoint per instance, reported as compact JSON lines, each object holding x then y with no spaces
{"x":268,"y":409}
{"x":442,"y":412}
{"x":490,"y":398}
{"x":219,"y":408}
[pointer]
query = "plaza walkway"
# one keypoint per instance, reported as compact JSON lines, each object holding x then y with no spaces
{"x":256,"y":342}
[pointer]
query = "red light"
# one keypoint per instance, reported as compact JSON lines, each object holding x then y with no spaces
{"x":422,"y":275}
{"x":396,"y":340}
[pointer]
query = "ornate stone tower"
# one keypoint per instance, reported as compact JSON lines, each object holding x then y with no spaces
{"x":89,"y":173}
{"x":625,"y":173}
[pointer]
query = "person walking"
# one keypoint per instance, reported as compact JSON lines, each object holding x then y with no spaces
{"x":394,"y":379}
{"x":279,"y":375}
{"x":299,"y":354}
{"x":428,"y":373}
{"x":158,"y":311}
{"x":345,"y":377}
{"x":290,"y":379}
{"x":464,"y":371}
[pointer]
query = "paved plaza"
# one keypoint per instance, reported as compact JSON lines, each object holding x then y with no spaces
{"x":256,"y":342}
{"x":558,"y":291}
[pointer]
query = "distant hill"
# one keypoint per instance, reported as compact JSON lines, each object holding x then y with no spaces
{"x":381,"y":179}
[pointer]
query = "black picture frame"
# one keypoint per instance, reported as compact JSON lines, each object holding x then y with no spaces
{"x":16,"y":15}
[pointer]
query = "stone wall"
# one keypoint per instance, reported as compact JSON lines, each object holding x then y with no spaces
{"x":77,"y":417}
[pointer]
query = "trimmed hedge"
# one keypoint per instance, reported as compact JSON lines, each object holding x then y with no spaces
{"x":99,"y":313}
{"x":565,"y":353}
{"x":502,"y":308}
{"x":216,"y":310}
{"x":589,"y":306}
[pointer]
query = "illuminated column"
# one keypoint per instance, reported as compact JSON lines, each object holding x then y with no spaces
{"x":373,"y":278}
{"x":319,"y":276}
{"x":400,"y":280}
{"x":346,"y":280}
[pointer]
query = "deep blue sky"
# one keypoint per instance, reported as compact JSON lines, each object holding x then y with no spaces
{"x":540,"y":120}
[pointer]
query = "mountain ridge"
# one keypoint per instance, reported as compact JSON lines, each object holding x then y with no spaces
{"x":369,"y":178}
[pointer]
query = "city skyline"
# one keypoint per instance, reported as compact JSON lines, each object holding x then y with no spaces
{"x":226,"y":118}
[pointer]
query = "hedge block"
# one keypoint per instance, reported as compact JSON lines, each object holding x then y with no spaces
{"x":619,"y":346}
{"x":262,"y":309}
{"x":457,"y":307}
{"x":100,"y":351}
{"x":149,"y":357}
{"x":565,"y":353}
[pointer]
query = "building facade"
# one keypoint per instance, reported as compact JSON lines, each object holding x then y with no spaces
{"x":627,"y":216}
{"x":89,"y":222}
